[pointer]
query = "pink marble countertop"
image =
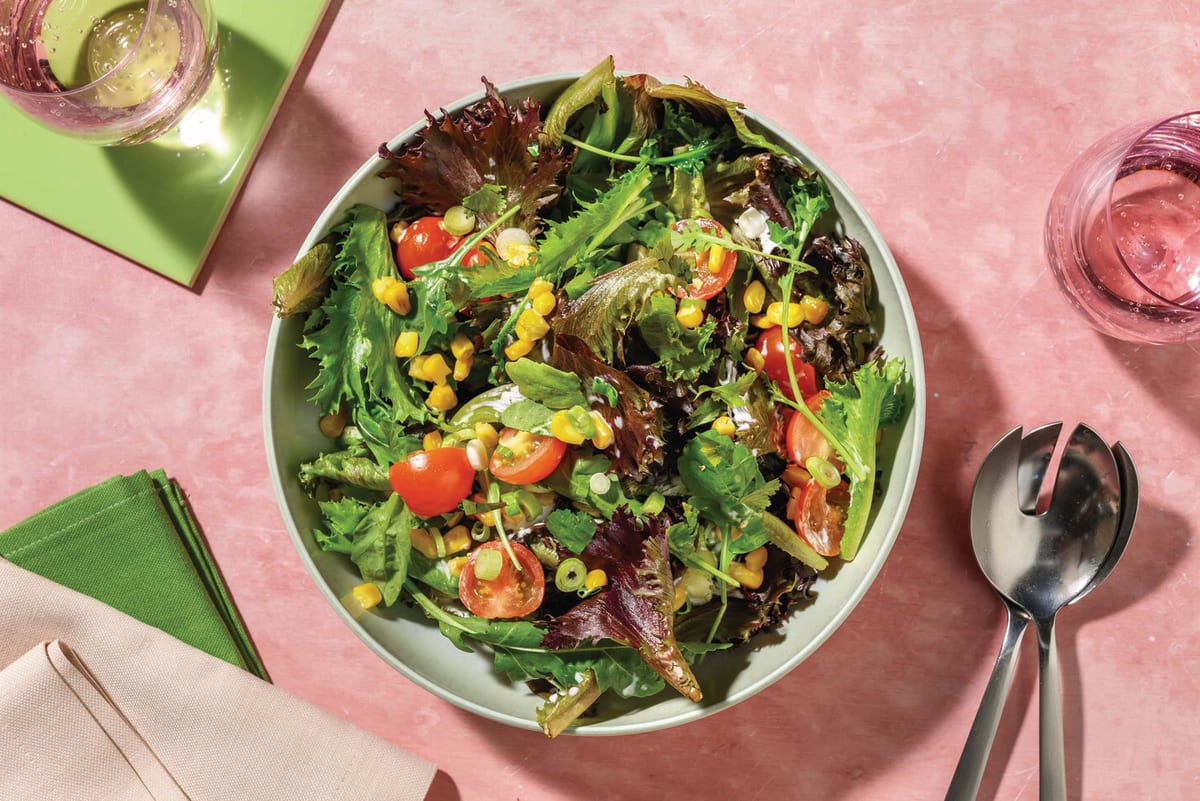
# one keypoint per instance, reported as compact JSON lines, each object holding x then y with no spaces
{"x":951,"y":122}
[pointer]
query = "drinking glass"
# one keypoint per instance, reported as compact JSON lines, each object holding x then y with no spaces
{"x":111,"y":72}
{"x":1123,"y":231}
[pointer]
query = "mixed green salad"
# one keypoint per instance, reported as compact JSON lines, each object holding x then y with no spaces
{"x":603,"y":389}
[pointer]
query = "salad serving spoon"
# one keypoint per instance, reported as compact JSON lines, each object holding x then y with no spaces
{"x":1109,"y":487}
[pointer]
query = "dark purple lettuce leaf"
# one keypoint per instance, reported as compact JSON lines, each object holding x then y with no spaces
{"x":636,"y":608}
{"x":637,"y":448}
{"x":491,"y":142}
{"x":846,"y":339}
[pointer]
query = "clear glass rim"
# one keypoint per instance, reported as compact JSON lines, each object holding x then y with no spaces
{"x":1144,"y":132}
{"x":151,"y":7}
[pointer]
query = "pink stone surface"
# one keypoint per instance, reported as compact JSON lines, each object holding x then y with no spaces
{"x":951,"y":122}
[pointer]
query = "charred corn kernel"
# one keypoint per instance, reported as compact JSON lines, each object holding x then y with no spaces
{"x":543,"y":304}
{"x":486,"y":433}
{"x":423,"y":542}
{"x":333,"y":424}
{"x":407,"y":344}
{"x":724,"y":425}
{"x":462,"y":367}
{"x":562,"y":428}
{"x":461,"y":346}
{"x":756,"y":558}
{"x":430,"y":367}
{"x":595,"y":579}
{"x":518,"y":349}
{"x":455,"y":565}
{"x":531,"y":326}
{"x":815,"y":309}
{"x":457,"y":539}
{"x":680,"y":597}
{"x":442,"y":398}
{"x":755,"y":359}
{"x":750,"y":579}
{"x":367,"y":595}
{"x":396,"y":298}
{"x":604,"y":433}
{"x":432,"y":441}
{"x":795,"y":314}
{"x":690,"y":315}
{"x":716,"y":255}
{"x":755,"y":296}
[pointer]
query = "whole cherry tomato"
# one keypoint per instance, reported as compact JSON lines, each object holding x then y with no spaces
{"x":770,"y":345}
{"x":423,"y":242}
{"x":433,"y":482}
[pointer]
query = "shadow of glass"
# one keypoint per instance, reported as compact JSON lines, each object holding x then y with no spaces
{"x":185,"y":187}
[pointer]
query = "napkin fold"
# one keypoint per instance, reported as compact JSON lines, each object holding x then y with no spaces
{"x":132,"y":542}
{"x":100,"y":705}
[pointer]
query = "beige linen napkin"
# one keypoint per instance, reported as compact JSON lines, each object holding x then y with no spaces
{"x":96,"y":705}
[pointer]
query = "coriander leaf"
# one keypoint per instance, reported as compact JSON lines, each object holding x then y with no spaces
{"x":726,"y":486}
{"x":636,"y":608}
{"x":303,"y":286}
{"x":487,"y":199}
{"x":573,"y":529}
{"x":547,"y":385}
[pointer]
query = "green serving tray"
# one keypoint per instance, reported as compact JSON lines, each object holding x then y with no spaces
{"x":161,"y":204}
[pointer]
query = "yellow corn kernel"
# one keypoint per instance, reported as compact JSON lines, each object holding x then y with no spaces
{"x":544,"y":303}
{"x":531,"y":326}
{"x":486,"y":433}
{"x":756,"y":558}
{"x":604,"y":433}
{"x":461,"y":346}
{"x":396,"y":298}
{"x":680,"y":597}
{"x":755,"y":296}
{"x":755,"y":359}
{"x":397,"y":230}
{"x":457,"y":539}
{"x":595,"y":579}
{"x":761,"y":321}
{"x":379,"y":287}
{"x":432,"y":441}
{"x":716,"y":255}
{"x":455,"y":565}
{"x":815,"y":309}
{"x":690,"y":315}
{"x":539,"y":287}
{"x":750,"y":579}
{"x":518,"y":255}
{"x":562,"y":428}
{"x":442,"y":398}
{"x":431,"y":367}
{"x":518,"y":349}
{"x":407,"y":344}
{"x":724,"y":425}
{"x":423,"y":542}
{"x":367,"y":595}
{"x":462,"y":367}
{"x":795,"y":314}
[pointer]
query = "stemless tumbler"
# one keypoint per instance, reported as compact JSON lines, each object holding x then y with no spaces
{"x":1123,"y":232}
{"x":106,"y":71}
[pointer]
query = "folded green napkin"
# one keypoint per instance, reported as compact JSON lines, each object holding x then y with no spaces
{"x":132,"y":543}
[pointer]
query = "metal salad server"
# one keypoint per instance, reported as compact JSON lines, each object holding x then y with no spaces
{"x":1113,"y":486}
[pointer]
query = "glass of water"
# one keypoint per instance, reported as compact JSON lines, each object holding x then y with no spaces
{"x":1123,"y":231}
{"x":112,"y":72}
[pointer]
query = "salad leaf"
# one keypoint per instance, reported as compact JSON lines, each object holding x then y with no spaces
{"x":302,"y":287}
{"x":684,"y":353}
{"x":491,"y":143}
{"x":636,"y":608}
{"x":540,"y":382}
{"x":726,"y":486}
{"x":573,"y":529}
{"x":846,"y":338}
{"x":375,"y":536}
{"x":346,"y":467}
{"x":527,"y":415}
{"x":581,"y":93}
{"x":564,"y":708}
{"x":852,"y":414}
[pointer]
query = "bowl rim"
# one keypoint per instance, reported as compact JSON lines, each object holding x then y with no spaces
{"x":914,"y":364}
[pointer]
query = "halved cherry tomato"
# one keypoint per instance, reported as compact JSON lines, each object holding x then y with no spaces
{"x":422,"y":242}
{"x":512,"y":593}
{"x":803,"y":438}
{"x":433,"y":482}
{"x":820,"y":515}
{"x":525,"y":458}
{"x":709,"y":280}
{"x":770,"y":345}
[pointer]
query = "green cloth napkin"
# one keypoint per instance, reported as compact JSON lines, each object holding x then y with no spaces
{"x":131,"y":542}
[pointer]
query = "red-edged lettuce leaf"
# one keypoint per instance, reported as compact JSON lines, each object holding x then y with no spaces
{"x":636,"y":420}
{"x":492,"y":142}
{"x":636,"y":608}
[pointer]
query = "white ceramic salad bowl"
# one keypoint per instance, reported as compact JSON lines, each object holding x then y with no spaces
{"x":406,"y":640}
